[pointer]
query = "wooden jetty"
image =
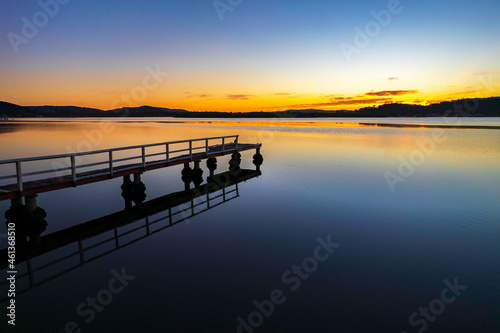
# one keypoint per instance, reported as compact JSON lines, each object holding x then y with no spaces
{"x":68,"y":170}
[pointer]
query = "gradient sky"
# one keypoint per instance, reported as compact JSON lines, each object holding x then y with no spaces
{"x":264,"y":55}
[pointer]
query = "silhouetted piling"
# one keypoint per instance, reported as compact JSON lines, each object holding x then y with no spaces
{"x":257,"y":159}
{"x":197,"y":174}
{"x":235,"y":162}
{"x":212,"y":165}
{"x":187,"y":176}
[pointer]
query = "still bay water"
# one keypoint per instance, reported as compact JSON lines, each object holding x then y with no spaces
{"x":411,"y":211}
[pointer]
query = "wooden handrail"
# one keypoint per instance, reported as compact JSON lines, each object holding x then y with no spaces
{"x":110,"y":159}
{"x":48,"y":157}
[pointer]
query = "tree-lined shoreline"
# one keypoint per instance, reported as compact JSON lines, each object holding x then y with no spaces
{"x":483,"y":107}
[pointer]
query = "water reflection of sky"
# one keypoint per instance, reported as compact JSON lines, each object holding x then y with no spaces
{"x":396,"y":249}
{"x":399,"y":120}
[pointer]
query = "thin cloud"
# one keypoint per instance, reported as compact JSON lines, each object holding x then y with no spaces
{"x":393,"y":78}
{"x":201,"y":96}
{"x":481,"y":73}
{"x":286,"y":95}
{"x":340,"y":97}
{"x":391,"y":92}
{"x":469,"y":73}
{"x":345,"y":101}
{"x":345,"y":98}
{"x":239,"y":97}
{"x":464,"y":92}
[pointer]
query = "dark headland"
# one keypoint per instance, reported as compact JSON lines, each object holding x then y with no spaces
{"x":483,"y":107}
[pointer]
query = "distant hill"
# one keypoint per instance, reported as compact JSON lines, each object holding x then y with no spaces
{"x":13,"y":110}
{"x":65,"y":111}
{"x":146,"y":111}
{"x":483,"y":107}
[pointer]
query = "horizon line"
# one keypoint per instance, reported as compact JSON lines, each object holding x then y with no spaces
{"x":255,"y":111}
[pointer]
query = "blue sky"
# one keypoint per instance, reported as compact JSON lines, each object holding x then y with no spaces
{"x":271,"y":54}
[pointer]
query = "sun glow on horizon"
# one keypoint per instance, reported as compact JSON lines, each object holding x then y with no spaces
{"x":258,"y":59}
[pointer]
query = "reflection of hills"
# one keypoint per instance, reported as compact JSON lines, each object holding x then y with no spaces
{"x":9,"y":128}
{"x":68,"y":249}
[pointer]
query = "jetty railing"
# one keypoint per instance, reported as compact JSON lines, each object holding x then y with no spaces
{"x":48,"y":266}
{"x":168,"y":150}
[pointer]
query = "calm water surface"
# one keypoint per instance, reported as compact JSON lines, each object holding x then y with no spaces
{"x":406,"y":208}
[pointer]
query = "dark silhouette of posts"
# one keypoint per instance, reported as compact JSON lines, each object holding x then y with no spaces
{"x":133,"y":191}
{"x":29,"y":219}
{"x":197,"y":174}
{"x":234,"y":163}
{"x":139,"y":190}
{"x":127,"y":191}
{"x":212,"y":165}
{"x":257,"y":159}
{"x":187,"y":176}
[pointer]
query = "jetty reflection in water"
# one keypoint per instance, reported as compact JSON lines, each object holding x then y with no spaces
{"x":68,"y":249}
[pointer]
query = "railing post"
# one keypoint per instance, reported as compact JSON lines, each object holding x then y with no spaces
{"x":167,"y":151}
{"x":223,"y":144}
{"x":111,"y":163}
{"x":117,"y":237}
{"x":73,"y":168}
{"x":191,"y":150}
{"x":81,"y":251}
{"x":144,"y":157}
{"x":30,"y":273}
{"x":236,"y":141}
{"x":19,"y":173}
{"x":206,"y":147}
